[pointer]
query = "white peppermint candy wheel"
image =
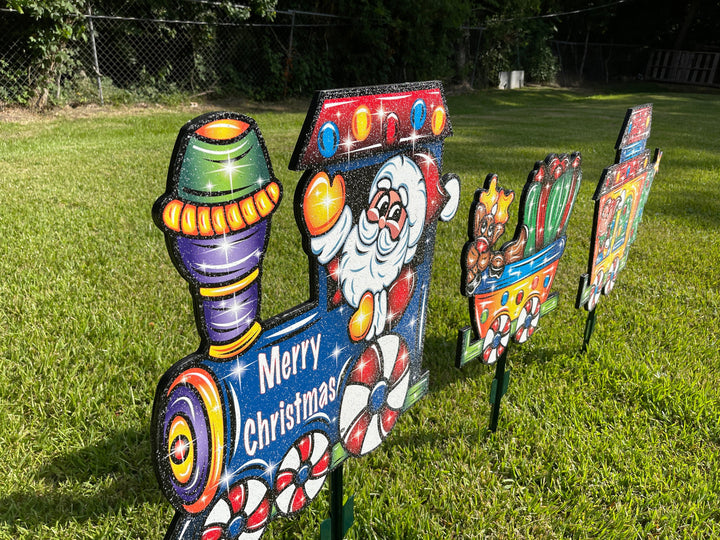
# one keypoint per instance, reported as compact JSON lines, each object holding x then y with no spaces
{"x":302,"y":472}
{"x":610,"y":285}
{"x":596,"y":290}
{"x":374,"y":394}
{"x":242,"y":514}
{"x":527,"y":321}
{"x":496,"y":339}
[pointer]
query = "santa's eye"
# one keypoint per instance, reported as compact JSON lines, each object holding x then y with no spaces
{"x":395,"y":220}
{"x":378,"y":206}
{"x":383,"y":205}
{"x":395,"y":213}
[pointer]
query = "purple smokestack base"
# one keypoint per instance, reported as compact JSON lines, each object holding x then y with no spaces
{"x":227,"y":319}
{"x":223,"y":259}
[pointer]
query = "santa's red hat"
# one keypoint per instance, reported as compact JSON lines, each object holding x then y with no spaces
{"x":443,"y":196}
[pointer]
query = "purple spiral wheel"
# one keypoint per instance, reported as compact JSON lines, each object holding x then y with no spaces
{"x":192,"y":440}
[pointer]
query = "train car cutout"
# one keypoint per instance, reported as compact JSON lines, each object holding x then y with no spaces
{"x":619,"y":201}
{"x":247,"y":428}
{"x":510,"y":289}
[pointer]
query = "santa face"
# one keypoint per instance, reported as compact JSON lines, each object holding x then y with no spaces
{"x":387,"y":210}
{"x":371,"y":259}
{"x":386,"y":235}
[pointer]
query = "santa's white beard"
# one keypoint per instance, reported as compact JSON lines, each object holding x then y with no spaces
{"x":371,"y":259}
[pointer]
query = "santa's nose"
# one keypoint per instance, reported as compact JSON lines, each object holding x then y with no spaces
{"x":392,"y":226}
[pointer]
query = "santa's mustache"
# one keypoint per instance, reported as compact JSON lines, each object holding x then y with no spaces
{"x":371,"y":259}
{"x":373,"y":237}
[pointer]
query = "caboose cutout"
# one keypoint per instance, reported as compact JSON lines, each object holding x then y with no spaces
{"x":248,"y":427}
{"x":510,"y":287}
{"x":619,"y":201}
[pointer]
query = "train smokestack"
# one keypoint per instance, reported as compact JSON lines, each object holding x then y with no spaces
{"x":215,"y":213}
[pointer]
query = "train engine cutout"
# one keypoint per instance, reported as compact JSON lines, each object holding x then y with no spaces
{"x":248,"y":427}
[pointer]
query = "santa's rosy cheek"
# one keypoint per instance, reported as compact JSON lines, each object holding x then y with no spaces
{"x":394,"y":229}
{"x":373,"y":215}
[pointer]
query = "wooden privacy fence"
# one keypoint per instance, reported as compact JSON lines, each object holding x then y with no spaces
{"x":683,"y":67}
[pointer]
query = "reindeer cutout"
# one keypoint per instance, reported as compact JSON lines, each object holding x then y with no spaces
{"x":509,"y":288}
{"x":491,"y":215}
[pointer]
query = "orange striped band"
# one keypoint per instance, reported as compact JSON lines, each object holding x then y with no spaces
{"x":210,"y":220}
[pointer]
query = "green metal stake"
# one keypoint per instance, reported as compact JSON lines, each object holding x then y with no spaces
{"x":341,"y":514}
{"x":589,"y":328}
{"x":497,"y":390}
{"x":336,"y":503}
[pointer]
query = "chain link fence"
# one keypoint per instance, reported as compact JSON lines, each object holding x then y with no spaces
{"x":129,"y":58}
{"x":16,"y":74}
{"x":136,"y":53}
{"x":23,"y":80}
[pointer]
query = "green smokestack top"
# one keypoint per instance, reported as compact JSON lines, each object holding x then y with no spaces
{"x":220,"y":171}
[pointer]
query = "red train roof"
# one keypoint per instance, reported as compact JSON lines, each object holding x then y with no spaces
{"x":346,"y":124}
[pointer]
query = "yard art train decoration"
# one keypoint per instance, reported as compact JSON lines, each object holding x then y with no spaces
{"x":509,"y":288}
{"x":619,"y":199}
{"x":249,"y":427}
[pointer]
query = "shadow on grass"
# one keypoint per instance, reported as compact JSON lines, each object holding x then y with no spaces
{"x":439,"y":356}
{"x":97,"y":480}
{"x":692,"y":205}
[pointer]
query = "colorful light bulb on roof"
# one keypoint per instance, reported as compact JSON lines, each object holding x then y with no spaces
{"x":355,"y":125}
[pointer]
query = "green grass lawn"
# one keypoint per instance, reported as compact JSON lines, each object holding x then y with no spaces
{"x":620,"y":442}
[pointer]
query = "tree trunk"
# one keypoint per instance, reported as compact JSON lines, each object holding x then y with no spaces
{"x":687,"y":23}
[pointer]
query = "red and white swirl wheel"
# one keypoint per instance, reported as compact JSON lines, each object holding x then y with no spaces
{"x":374,"y":394}
{"x":527,"y":321}
{"x":496,"y":339}
{"x":302,"y":472}
{"x":596,"y":290}
{"x":610,"y":285}
{"x":241,"y":514}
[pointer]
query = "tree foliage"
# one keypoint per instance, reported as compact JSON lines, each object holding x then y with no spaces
{"x":49,"y":26}
{"x":46,"y":29}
